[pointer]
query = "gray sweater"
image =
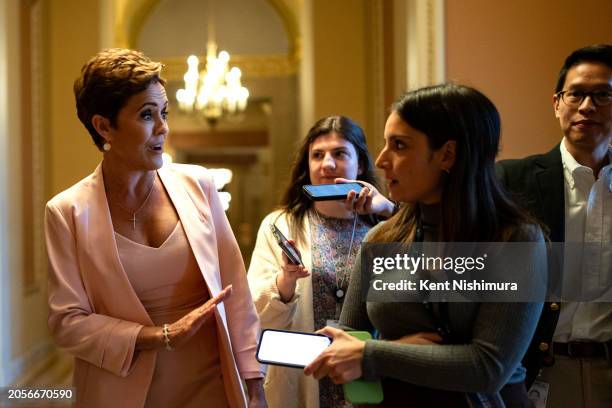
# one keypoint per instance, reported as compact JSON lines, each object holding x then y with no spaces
{"x":495,"y":337}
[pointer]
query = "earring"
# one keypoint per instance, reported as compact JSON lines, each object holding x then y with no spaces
{"x":106,"y":147}
{"x":447,"y":171}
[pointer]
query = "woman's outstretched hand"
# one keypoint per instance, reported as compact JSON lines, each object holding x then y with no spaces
{"x":368,"y":201}
{"x":183,"y":329}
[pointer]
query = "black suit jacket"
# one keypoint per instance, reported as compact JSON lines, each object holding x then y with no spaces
{"x":537,"y":185}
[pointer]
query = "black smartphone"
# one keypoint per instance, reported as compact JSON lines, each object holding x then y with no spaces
{"x":287,"y":248}
{"x":290,"y":349}
{"x":325,"y":192}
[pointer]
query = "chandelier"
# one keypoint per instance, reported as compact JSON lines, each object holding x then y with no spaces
{"x":216,"y":91}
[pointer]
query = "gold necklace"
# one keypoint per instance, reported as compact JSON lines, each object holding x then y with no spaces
{"x":133,"y":219}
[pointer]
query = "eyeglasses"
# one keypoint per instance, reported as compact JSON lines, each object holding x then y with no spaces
{"x":575,"y":98}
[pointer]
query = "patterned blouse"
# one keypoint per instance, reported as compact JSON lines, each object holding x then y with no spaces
{"x":331,"y":268}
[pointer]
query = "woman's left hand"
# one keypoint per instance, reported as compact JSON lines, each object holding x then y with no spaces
{"x":369,"y":200}
{"x":341,"y":361}
{"x":257,"y":398}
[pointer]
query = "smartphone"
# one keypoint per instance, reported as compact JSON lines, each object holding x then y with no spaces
{"x":360,"y":391}
{"x":290,"y":349}
{"x":328,"y":192}
{"x":287,"y":248}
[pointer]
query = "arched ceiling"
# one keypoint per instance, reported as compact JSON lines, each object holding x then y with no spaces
{"x":262,"y":36}
{"x":130,"y":16}
{"x":243,"y":27}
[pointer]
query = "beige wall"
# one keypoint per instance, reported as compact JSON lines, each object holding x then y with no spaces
{"x":69,"y":36}
{"x":23,"y":311}
{"x":74,"y":38}
{"x":513,"y":50}
{"x":339,"y":58}
{"x":9,"y":258}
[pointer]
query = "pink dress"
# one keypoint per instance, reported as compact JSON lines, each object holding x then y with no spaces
{"x":169,"y":284}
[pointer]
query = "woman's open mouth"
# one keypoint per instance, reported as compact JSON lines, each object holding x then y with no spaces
{"x":157,"y":148}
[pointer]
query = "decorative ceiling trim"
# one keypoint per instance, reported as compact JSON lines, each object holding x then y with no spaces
{"x":291,"y":26}
{"x":252,"y":66}
{"x":131,"y":16}
{"x":201,"y":139}
{"x":138,"y":20}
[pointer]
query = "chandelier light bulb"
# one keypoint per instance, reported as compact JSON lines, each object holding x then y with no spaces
{"x":180,"y":96}
{"x":193,"y":61}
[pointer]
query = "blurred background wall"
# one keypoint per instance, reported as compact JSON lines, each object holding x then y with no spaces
{"x":300,"y":59}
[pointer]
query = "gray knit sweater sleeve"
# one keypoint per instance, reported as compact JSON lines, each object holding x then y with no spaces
{"x":501,"y":333}
{"x":354,"y":315}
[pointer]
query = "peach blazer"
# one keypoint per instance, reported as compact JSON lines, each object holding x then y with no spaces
{"x":94,"y":312}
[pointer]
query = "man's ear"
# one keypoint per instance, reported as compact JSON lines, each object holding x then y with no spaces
{"x":449,"y":152}
{"x":102,"y":126}
{"x":555,"y":102}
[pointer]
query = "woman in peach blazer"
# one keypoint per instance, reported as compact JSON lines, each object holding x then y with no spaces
{"x":95,"y":312}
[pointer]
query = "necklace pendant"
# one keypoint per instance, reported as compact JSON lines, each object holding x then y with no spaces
{"x":339,"y":294}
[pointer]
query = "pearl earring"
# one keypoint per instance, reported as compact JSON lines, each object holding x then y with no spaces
{"x":106,"y":146}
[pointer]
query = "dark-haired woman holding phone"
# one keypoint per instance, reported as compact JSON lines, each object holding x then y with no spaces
{"x":438,"y":159}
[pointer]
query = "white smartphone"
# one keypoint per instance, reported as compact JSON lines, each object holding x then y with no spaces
{"x":290,"y":349}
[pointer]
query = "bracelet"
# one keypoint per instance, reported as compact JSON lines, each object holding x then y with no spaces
{"x":165,"y":332}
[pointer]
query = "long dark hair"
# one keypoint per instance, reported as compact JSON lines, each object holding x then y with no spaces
{"x":294,"y":203}
{"x":474,"y":205}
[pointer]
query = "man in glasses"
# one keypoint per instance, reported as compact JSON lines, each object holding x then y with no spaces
{"x":570,"y":190}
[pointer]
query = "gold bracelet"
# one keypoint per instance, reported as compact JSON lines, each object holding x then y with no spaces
{"x":165,"y":332}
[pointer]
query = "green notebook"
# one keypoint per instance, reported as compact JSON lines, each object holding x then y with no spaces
{"x":361,"y":391}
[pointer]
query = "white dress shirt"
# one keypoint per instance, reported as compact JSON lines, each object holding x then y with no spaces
{"x":588,"y":219}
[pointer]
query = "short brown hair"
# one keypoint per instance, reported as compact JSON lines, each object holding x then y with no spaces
{"x":108,"y":80}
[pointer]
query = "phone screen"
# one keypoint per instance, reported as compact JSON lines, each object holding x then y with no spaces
{"x":291,"y":349}
{"x":331,"y":191}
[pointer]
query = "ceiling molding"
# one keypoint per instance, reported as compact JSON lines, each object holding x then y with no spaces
{"x":291,"y":26}
{"x":193,"y":140}
{"x":252,"y":66}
